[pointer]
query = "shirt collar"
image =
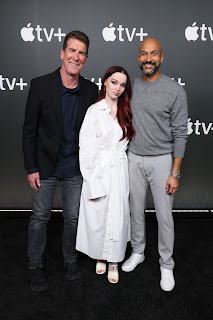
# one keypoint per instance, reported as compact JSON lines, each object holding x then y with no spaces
{"x":64,"y":89}
{"x":103,"y":105}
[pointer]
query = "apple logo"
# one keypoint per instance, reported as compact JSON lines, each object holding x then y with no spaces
{"x":190,"y":124}
{"x":191,"y":32}
{"x":27,"y":33}
{"x":108,"y":33}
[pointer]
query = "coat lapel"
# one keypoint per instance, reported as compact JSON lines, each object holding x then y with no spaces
{"x":56,"y":96}
{"x":83,"y":102}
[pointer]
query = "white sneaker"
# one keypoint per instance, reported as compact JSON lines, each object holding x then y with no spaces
{"x":167,"y":282}
{"x":132,"y":262}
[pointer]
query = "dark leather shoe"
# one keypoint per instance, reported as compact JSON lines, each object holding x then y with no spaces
{"x":38,"y":279}
{"x":72,"y":271}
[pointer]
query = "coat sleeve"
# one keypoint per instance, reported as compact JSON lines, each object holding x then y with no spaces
{"x":31,"y":121}
{"x":89,"y":155}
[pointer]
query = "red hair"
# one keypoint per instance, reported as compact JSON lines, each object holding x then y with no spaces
{"x":124,"y":112}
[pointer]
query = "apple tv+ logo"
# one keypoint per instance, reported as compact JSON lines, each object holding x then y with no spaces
{"x":40,"y":33}
{"x":6,"y":83}
{"x":199,"y":127}
{"x":191,"y":32}
{"x":108,"y":33}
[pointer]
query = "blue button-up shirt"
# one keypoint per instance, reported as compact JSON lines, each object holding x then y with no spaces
{"x":67,"y":164}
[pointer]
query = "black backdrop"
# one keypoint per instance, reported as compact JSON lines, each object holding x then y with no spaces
{"x":185,"y":29}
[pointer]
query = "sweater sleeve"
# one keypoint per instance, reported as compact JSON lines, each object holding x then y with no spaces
{"x":179,"y":118}
{"x":89,"y":156}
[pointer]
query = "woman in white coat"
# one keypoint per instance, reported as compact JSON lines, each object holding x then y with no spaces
{"x":104,"y":217}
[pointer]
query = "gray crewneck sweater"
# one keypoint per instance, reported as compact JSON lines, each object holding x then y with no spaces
{"x":160,"y":117}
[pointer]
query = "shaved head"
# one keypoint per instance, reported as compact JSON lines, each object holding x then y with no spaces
{"x":151,"y":43}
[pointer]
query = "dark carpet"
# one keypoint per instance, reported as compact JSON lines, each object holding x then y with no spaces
{"x":137,"y":294}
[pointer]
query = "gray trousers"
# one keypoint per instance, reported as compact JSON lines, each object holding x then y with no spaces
{"x":151,"y":171}
{"x":42,"y":203}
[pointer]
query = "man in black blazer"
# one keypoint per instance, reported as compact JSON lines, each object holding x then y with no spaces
{"x":56,"y":106}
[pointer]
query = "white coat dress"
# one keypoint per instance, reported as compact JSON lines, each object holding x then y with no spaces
{"x":104,"y":216}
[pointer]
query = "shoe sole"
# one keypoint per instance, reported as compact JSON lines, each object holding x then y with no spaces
{"x":39,"y":290}
{"x":101,"y":272}
{"x":44,"y":288}
{"x":165,"y":289}
{"x":142,"y":260}
{"x":75,"y":277}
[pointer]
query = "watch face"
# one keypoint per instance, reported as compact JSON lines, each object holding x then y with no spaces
{"x":176,"y":175}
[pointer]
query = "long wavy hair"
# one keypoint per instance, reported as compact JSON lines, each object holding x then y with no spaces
{"x":124,"y":112}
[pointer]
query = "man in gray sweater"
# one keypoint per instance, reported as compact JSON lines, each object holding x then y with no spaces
{"x":159,"y":107}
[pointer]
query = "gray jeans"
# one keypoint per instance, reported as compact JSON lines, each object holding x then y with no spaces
{"x":42,"y":203}
{"x":151,"y":171}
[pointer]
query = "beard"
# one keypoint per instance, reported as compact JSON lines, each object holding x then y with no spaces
{"x":154,"y":70}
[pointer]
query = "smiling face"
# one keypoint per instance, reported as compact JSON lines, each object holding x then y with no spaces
{"x":150,"y":58}
{"x":74,"y":58}
{"x":115,"y":85}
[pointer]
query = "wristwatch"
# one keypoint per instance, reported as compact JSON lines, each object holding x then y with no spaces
{"x":176,"y":175}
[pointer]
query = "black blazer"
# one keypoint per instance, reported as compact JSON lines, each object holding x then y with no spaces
{"x":43,"y":126}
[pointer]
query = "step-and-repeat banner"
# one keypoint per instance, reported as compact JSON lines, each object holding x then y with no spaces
{"x":32,"y":33}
